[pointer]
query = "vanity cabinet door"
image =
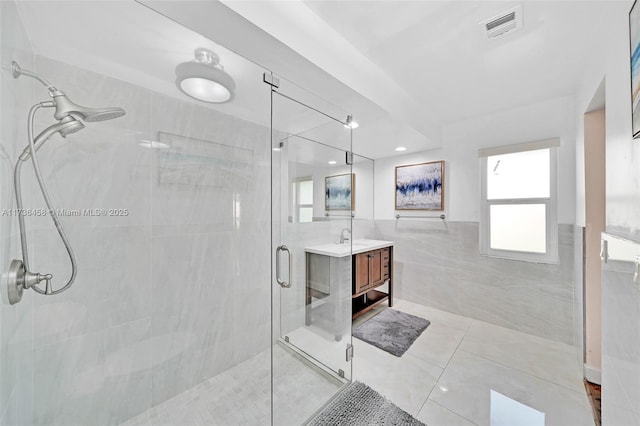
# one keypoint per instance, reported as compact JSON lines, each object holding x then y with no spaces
{"x":375,"y":268}
{"x":371,"y":270}
{"x":361,"y":281}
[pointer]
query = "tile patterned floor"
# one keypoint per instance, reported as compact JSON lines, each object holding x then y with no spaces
{"x":242,"y":395}
{"x":448,"y":377}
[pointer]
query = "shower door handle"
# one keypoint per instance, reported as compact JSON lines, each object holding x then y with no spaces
{"x":280,"y":281}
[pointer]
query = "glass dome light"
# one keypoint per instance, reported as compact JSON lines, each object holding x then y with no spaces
{"x":204,"y":79}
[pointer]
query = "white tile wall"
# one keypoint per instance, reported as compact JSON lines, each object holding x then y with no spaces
{"x":438,"y":264}
{"x":167,"y":296}
{"x":620,"y":342}
{"x":16,"y":327}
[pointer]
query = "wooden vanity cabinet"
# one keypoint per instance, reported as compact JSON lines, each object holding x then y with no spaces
{"x":371,"y":269}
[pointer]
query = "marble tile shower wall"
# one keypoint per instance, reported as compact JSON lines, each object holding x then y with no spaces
{"x":438,"y":264}
{"x":174,"y":291}
{"x":15,"y":324}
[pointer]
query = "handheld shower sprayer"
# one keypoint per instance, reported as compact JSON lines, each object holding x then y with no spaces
{"x":69,"y":116}
{"x":65,"y":127}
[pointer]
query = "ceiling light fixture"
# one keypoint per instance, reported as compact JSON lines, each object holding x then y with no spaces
{"x":332,"y":162}
{"x":350,"y":124}
{"x":204,"y":78}
{"x":401,"y":148}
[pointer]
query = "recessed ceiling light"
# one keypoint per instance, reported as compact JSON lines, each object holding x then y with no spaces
{"x":276,"y":149}
{"x":332,"y":162}
{"x":401,"y":148}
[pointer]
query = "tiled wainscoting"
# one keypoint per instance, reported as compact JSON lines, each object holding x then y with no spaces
{"x":437,"y":263}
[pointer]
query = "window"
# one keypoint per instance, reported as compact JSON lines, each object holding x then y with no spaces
{"x":303,"y":199}
{"x":519,"y":206}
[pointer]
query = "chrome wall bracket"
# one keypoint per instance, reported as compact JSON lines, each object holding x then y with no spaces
{"x":349,"y":352}
{"x":19,"y":280}
{"x":15,"y":281}
{"x":348,"y":158}
{"x":271,"y":80}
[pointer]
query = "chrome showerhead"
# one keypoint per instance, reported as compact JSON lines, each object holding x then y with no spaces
{"x":65,"y":127}
{"x":104,"y":114}
{"x":65,"y":107}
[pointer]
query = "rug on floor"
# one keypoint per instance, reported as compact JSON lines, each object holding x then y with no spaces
{"x":392,"y":331}
{"x":358,"y":404}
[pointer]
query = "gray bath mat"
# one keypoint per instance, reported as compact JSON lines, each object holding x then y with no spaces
{"x":360,"y":405}
{"x":392,"y":331}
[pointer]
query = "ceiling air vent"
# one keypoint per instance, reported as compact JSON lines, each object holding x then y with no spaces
{"x":509,"y":20}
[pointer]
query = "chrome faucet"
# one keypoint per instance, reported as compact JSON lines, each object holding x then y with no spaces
{"x":342,"y":237}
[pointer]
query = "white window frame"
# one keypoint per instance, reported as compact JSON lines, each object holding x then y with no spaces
{"x":551,"y":204}
{"x":296,"y":198}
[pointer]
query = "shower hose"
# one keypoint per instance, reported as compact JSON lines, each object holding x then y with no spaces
{"x":47,"y":199}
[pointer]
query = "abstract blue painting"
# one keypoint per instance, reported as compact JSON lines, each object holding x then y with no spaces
{"x":634,"y":36}
{"x":420,"y":186}
{"x":339,"y":192}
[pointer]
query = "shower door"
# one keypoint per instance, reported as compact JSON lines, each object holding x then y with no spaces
{"x":311,"y":249}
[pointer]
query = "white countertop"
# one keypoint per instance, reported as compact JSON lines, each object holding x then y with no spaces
{"x":342,"y":250}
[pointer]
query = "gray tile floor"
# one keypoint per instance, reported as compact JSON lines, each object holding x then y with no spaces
{"x":241,"y":395}
{"x":458,"y":372}
{"x":466,"y":372}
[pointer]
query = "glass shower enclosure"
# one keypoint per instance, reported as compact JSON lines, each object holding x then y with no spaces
{"x":312,"y":206}
{"x":219,"y":293}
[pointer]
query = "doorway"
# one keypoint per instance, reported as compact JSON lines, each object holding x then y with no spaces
{"x":595,"y":201}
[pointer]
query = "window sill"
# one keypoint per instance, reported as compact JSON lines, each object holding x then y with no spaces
{"x":549,"y":260}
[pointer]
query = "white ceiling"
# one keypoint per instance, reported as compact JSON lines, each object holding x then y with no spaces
{"x":437,"y":52}
{"x":127,"y":41}
{"x":404,"y":69}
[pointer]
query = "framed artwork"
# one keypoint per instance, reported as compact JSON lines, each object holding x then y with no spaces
{"x":634,"y":40}
{"x":339,"y":192}
{"x":420,"y":186}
